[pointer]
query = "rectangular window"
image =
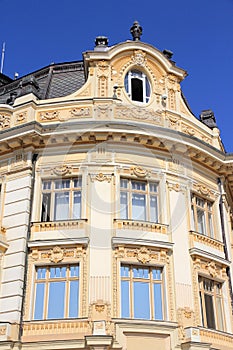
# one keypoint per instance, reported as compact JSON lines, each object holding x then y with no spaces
{"x":141,"y":292}
{"x":56,"y":292}
{"x":211,"y":303}
{"x":202,"y":216}
{"x":138,"y":200}
{"x":61,"y":199}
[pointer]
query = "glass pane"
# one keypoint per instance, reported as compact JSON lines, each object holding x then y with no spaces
{"x":157,"y":274}
{"x":124,"y":183}
{"x":74,"y":296}
{"x":39,"y":304}
{"x":209,"y":311}
{"x":126,"y":83}
{"x":124,"y":271}
{"x":123,"y":205}
{"x":125,"y":299}
{"x":153,"y":209}
{"x":40,"y":273}
{"x":200,"y":202}
{"x":61,"y":209}
{"x":153,"y":187}
{"x":58,"y":272}
{"x":46,"y":185}
{"x":211,"y":225}
{"x":62,"y":184}
{"x":74,"y":271}
{"x":45,"y":210}
{"x":192,"y":219}
{"x":56,"y":300}
{"x":140,"y":272}
{"x":77,"y":205}
{"x":138,"y":185}
{"x":201,"y":306}
{"x":78,"y":182}
{"x":219,"y":313}
{"x":141,"y":300}
{"x":158,"y":311}
{"x":138,"y":206}
{"x":201,"y":221}
{"x":147,"y":89}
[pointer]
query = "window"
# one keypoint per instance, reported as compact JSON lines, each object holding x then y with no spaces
{"x":141,"y":292}
{"x":137,"y":86}
{"x":56,"y":292}
{"x":202,"y":216}
{"x":211,"y":303}
{"x":138,"y":200}
{"x":61,"y":199}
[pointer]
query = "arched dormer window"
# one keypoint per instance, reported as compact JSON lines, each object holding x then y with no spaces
{"x":137,"y":86}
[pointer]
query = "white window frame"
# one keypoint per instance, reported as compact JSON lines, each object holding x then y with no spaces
{"x":47,"y":280}
{"x":202,"y":214}
{"x":141,"y":76}
{"x":130,"y":194}
{"x":131,"y":280}
{"x":214,"y":291}
{"x":49,"y":191}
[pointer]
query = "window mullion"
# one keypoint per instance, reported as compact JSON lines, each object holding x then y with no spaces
{"x":144,"y":87}
{"x":151,"y":287}
{"x":131,"y":293}
{"x":67,"y":293}
{"x":46,"y":294}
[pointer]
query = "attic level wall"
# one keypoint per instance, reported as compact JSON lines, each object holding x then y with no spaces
{"x":15,"y":221}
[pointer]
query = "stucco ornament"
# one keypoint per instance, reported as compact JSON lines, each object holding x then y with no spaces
{"x":49,"y":115}
{"x":4,"y":121}
{"x":61,"y":170}
{"x":139,"y":171}
{"x":57,"y":254}
{"x":139,"y":58}
{"x":143,"y":255}
{"x":212,"y":269}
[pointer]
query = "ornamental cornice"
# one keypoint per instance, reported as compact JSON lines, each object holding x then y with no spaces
{"x":143,"y":254}
{"x":57,"y":254}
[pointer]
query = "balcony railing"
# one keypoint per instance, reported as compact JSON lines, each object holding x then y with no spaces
{"x":58,"y":225}
{"x":208,"y":241}
{"x":140,"y":225}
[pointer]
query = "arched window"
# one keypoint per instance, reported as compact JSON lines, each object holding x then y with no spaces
{"x":137,"y":86}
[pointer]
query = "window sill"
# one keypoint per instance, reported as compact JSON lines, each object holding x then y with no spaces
{"x":140,"y":225}
{"x":196,"y":237}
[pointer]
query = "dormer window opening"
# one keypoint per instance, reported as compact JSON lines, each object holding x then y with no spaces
{"x":137,"y":86}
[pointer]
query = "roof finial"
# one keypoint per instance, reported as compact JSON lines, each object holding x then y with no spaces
{"x":136,"y":31}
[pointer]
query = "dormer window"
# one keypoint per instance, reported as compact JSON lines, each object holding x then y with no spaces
{"x":137,"y":86}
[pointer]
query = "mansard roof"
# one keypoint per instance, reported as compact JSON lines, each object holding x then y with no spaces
{"x":55,"y":80}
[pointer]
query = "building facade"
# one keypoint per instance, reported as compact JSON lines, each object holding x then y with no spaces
{"x":116,"y":208}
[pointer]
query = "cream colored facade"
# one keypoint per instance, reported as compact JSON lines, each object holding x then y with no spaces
{"x":99,"y":134}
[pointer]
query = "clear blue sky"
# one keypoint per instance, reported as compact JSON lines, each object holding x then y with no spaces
{"x":199,"y":32}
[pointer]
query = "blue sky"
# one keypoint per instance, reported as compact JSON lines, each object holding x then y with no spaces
{"x":199,"y":32}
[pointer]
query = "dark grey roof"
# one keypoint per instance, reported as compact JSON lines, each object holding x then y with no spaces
{"x":55,"y":80}
{"x":4,"y":79}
